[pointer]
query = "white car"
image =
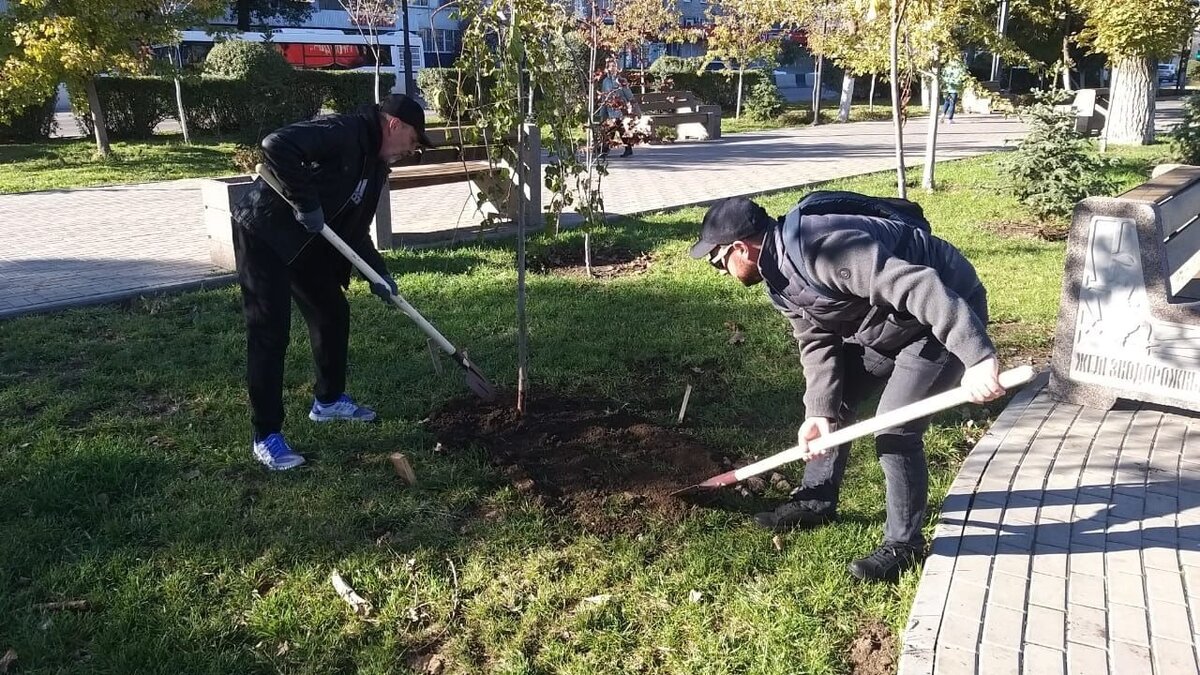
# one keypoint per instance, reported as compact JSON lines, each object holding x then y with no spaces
{"x":1166,"y":73}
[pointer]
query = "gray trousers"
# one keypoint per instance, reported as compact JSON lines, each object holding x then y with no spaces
{"x":921,"y":369}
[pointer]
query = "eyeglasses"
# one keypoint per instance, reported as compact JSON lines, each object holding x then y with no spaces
{"x":717,"y":258}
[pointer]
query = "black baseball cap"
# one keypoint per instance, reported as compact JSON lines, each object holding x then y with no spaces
{"x":730,"y":220}
{"x":408,"y":111}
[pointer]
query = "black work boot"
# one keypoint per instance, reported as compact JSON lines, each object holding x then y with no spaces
{"x":791,"y":515}
{"x":887,"y":563}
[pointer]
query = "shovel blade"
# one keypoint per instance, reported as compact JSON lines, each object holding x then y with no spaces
{"x":479,"y":385}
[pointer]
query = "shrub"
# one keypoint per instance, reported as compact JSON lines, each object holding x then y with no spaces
{"x":30,"y":125}
{"x":274,"y":94}
{"x":441,"y":86}
{"x":1054,"y":167}
{"x":1185,"y":139}
{"x":132,"y":106}
{"x":343,"y":92}
{"x":763,"y":102}
{"x":251,"y":61}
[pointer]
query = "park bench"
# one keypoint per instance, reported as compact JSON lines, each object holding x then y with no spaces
{"x":1090,"y":107}
{"x":691,"y":118}
{"x":460,"y":155}
{"x":1129,"y":318}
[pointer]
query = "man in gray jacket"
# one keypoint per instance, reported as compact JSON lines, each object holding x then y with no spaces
{"x":875,"y":302}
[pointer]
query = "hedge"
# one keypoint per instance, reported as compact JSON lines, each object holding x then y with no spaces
{"x":133,"y":106}
{"x":32,"y":124}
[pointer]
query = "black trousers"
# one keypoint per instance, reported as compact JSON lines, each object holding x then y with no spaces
{"x":921,"y":369}
{"x":268,"y":286}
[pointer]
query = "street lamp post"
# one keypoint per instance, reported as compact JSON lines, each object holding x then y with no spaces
{"x":408,"y":79}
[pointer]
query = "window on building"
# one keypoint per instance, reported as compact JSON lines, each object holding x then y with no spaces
{"x":418,"y":3}
{"x":329,"y":4}
{"x":448,"y":40}
{"x":426,"y":38}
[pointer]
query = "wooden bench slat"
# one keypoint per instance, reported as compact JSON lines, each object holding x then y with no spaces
{"x":436,"y":174}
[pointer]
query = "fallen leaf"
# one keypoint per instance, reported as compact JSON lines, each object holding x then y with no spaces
{"x":777,"y":542}
{"x":360,"y":606}
{"x":598,"y":600}
{"x":25,"y":445}
{"x":695,"y":596}
{"x":46,"y":624}
{"x":192,"y":475}
{"x":756,"y":484}
{"x":697,"y":370}
{"x":737,"y":338}
{"x":9,"y":658}
{"x":283,"y":649}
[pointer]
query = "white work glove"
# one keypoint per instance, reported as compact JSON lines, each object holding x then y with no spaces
{"x":982,"y":381}
{"x":812,"y":429}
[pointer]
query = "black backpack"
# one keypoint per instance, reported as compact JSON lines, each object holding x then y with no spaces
{"x":829,"y":202}
{"x":834,"y":202}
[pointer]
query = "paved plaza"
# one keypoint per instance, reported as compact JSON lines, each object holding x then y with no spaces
{"x":102,"y":244}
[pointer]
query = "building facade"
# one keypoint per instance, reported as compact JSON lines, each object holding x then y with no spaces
{"x":434,"y":20}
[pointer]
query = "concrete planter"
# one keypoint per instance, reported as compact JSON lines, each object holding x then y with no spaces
{"x":220,"y":195}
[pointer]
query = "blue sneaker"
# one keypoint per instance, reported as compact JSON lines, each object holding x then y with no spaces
{"x":276,"y":454}
{"x":342,"y":409}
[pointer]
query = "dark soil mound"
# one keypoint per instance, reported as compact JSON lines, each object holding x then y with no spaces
{"x":590,"y":458}
{"x":607,"y":263}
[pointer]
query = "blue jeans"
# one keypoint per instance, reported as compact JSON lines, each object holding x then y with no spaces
{"x":921,"y":369}
{"x":948,"y":105}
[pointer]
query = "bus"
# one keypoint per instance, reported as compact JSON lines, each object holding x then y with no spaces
{"x":318,"y":49}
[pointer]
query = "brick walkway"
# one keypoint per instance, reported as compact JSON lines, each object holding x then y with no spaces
{"x":1068,"y":543}
{"x":101,"y":244}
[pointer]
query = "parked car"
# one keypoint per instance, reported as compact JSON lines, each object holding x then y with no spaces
{"x":1166,"y":73}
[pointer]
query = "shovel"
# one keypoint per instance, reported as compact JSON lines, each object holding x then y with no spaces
{"x":923,"y":408}
{"x":477,"y":382}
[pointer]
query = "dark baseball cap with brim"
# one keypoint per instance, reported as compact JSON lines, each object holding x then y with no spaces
{"x":730,"y":220}
{"x":408,"y":111}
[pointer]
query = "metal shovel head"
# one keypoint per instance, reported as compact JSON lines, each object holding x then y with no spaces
{"x":479,"y":384}
{"x":718,"y":481}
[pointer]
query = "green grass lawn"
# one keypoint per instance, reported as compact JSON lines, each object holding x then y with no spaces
{"x":799,"y":114}
{"x":71,"y":163}
{"x":126,"y":479}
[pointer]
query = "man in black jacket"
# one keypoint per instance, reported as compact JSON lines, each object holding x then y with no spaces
{"x":332,"y":169}
{"x":875,"y":301}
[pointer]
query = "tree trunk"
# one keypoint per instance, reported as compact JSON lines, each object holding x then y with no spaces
{"x":931,"y":137}
{"x":816,"y":96}
{"x":871,"y":96}
{"x":181,"y":111}
{"x":1181,"y":71}
{"x":1066,"y":64}
{"x":98,"y":122}
{"x":187,"y":138}
{"x":847,"y":97}
{"x":737,"y":113}
{"x":1131,"y":111}
{"x":378,"y":50}
{"x":243,"y":15}
{"x":894,"y":70}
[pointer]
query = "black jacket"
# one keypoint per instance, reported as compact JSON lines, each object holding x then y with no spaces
{"x":332,"y":162}
{"x":877,"y":281}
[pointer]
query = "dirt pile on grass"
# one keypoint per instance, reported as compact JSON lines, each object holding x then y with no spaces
{"x":873,"y":652}
{"x":596,"y":462}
